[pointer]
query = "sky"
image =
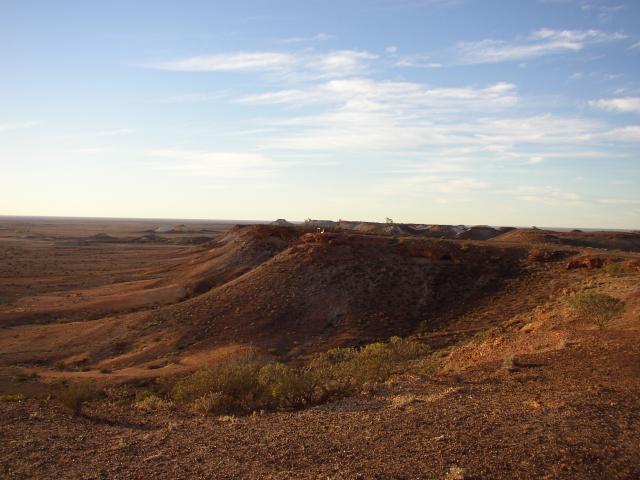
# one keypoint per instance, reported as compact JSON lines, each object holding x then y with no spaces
{"x":428,"y":111}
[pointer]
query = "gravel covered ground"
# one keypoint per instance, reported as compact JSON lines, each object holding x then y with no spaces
{"x":571,"y":413}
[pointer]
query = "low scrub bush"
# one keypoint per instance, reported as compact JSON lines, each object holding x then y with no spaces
{"x":22,"y":377}
{"x":597,"y":307}
{"x":11,"y":397}
{"x":152,"y":402}
{"x":485,"y":335}
{"x":143,"y":394}
{"x":251,"y":384}
{"x":59,"y":365}
{"x":617,"y":269}
{"x":75,"y":395}
{"x":286,"y":387}
{"x":209,"y":403}
{"x":236,"y":382}
{"x":346,"y":370}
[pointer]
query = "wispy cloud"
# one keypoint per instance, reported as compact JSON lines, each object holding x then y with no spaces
{"x":101,"y":133}
{"x":417,"y":61}
{"x":535,"y":159}
{"x":623,"y":104}
{"x":361,"y":113}
{"x":91,"y":150}
{"x":605,"y":13}
{"x":343,"y":62}
{"x":630,"y":133}
{"x":188,"y":98}
{"x":337,"y":63}
{"x":420,"y":3}
{"x":368,"y":94}
{"x":320,"y":37}
{"x":228,"y":62}
{"x":5,"y":127}
{"x":213,"y":163}
{"x":544,"y":195}
{"x":541,"y":42}
{"x":111,"y":133}
{"x":587,"y":36}
{"x":620,"y":201}
{"x":437,"y":185}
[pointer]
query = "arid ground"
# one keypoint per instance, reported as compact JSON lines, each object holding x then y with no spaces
{"x":518,"y":379}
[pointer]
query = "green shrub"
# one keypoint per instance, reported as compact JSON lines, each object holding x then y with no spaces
{"x":59,"y":365}
{"x":345,"y":370}
{"x":617,"y":269}
{"x":349,"y":369}
{"x":250,"y":384}
{"x":485,"y":335}
{"x":597,"y":307}
{"x":235,"y":381}
{"x":11,"y":397}
{"x":286,"y":387}
{"x":143,"y":394}
{"x":22,"y":377}
{"x":74,"y":395}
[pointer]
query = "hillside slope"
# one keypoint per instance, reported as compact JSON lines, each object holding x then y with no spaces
{"x":536,"y":392}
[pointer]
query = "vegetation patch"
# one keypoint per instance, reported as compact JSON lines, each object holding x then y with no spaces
{"x":618,"y":269}
{"x":251,"y":384}
{"x":75,"y":395}
{"x":153,"y":403}
{"x":59,"y":365}
{"x":11,"y":397}
{"x":596,"y":307}
{"x":485,"y":335}
{"x":22,"y":377}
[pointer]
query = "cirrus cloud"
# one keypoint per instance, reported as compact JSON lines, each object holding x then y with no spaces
{"x":624,"y":104}
{"x":542,"y":42}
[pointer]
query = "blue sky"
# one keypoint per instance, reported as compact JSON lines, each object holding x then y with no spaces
{"x":434,"y":111}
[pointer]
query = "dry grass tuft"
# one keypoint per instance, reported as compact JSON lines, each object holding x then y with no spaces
{"x":11,"y":397}
{"x":403,"y":401}
{"x":75,"y":395}
{"x":454,"y":473}
{"x":153,"y":403}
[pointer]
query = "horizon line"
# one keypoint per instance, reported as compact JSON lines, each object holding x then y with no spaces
{"x":230,"y":221}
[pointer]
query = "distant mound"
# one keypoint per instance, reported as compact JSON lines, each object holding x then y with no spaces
{"x":149,"y":237}
{"x":480,"y":232}
{"x":267,"y":286}
{"x":241,"y":249}
{"x":626,"y":241}
{"x":171,"y":229}
{"x":281,"y":222}
{"x":102,"y":237}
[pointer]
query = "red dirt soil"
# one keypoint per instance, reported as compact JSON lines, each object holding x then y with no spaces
{"x":521,"y":386}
